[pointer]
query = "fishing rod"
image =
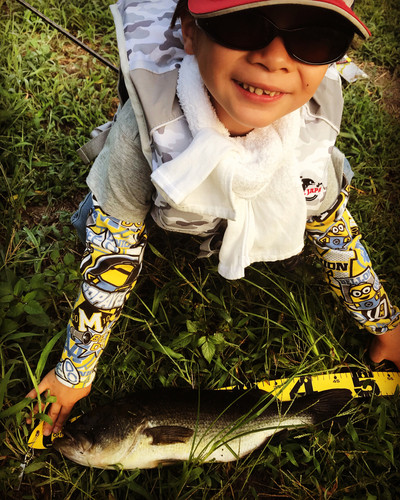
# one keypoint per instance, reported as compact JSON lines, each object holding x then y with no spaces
{"x":68,"y":35}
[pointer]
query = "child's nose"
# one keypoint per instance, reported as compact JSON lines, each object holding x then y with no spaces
{"x":274,"y":56}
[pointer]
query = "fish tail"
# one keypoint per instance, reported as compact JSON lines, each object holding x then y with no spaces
{"x":322,"y":406}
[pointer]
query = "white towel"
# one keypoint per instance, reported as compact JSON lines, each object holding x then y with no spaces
{"x":252,"y":181}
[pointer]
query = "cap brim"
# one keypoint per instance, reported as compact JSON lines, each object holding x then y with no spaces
{"x":211,"y":8}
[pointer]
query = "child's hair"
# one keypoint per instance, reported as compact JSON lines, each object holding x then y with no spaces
{"x":181,"y":7}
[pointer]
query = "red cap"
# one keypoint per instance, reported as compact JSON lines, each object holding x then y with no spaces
{"x":210,"y":8}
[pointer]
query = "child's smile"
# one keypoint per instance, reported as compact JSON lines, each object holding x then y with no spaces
{"x":254,"y":89}
{"x":251,"y":89}
{"x":259,"y":91}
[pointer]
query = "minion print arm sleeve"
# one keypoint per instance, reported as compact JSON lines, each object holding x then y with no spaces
{"x":110,"y":266}
{"x":348,"y":268}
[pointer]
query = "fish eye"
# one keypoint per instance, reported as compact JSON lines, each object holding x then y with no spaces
{"x":366,"y":289}
{"x":356,"y":293}
{"x":335,"y":230}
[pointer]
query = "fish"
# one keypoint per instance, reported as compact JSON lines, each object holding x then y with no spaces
{"x":168,"y":425}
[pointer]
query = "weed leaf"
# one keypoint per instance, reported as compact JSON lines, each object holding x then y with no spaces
{"x":46,"y":351}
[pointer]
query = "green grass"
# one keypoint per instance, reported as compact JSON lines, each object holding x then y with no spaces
{"x":184,"y":324}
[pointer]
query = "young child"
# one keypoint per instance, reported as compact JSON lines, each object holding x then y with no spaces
{"x":226,"y":130}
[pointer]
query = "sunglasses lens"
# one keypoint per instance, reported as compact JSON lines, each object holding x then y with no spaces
{"x":240,"y":30}
{"x":248,"y":30}
{"x":317,"y":44}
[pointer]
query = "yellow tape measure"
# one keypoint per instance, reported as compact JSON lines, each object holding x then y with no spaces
{"x":361,"y":385}
{"x":38,"y":441}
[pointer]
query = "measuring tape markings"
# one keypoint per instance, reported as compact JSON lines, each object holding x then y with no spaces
{"x":361,"y":384}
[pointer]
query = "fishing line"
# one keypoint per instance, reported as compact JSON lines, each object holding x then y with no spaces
{"x":71,"y":37}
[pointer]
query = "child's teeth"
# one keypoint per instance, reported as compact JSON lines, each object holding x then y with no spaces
{"x":258,"y":91}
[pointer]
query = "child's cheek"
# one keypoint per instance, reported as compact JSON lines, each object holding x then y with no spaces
{"x":312,"y":77}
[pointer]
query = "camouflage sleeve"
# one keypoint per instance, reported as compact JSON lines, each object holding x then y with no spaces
{"x":348,"y":268}
{"x":110,"y":266}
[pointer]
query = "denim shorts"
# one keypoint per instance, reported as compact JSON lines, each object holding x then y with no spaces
{"x":79,"y":218}
{"x":347,"y":171}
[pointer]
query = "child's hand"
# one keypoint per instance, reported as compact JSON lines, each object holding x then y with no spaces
{"x":386,"y":346}
{"x":66,"y":398}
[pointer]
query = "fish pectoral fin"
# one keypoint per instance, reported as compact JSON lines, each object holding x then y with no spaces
{"x":168,"y":462}
{"x":277,"y":437}
{"x":169,"y":434}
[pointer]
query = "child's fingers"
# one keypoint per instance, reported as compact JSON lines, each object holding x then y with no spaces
{"x":31,"y":394}
{"x":30,"y":416}
{"x":35,"y":410}
{"x":386,"y":346}
{"x":375,"y":351}
{"x":53,"y":413}
{"x":62,"y":418}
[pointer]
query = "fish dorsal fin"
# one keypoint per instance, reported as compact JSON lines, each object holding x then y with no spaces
{"x":169,"y":434}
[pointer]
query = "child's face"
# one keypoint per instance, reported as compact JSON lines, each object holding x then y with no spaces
{"x":224,"y":71}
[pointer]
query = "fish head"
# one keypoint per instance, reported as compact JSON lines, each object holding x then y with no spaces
{"x":101,"y":437}
{"x":76,"y":446}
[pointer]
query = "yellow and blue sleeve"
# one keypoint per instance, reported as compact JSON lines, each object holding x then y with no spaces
{"x":110,"y":266}
{"x":348,"y":268}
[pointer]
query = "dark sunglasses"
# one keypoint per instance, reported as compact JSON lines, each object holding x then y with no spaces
{"x":251,"y":29}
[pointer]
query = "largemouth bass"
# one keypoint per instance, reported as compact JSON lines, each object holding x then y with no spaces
{"x":161,"y":426}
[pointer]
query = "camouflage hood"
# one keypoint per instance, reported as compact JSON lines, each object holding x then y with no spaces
{"x":150,"y":55}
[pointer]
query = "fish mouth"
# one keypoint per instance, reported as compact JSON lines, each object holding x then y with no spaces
{"x":80,"y":441}
{"x":258,"y":90}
